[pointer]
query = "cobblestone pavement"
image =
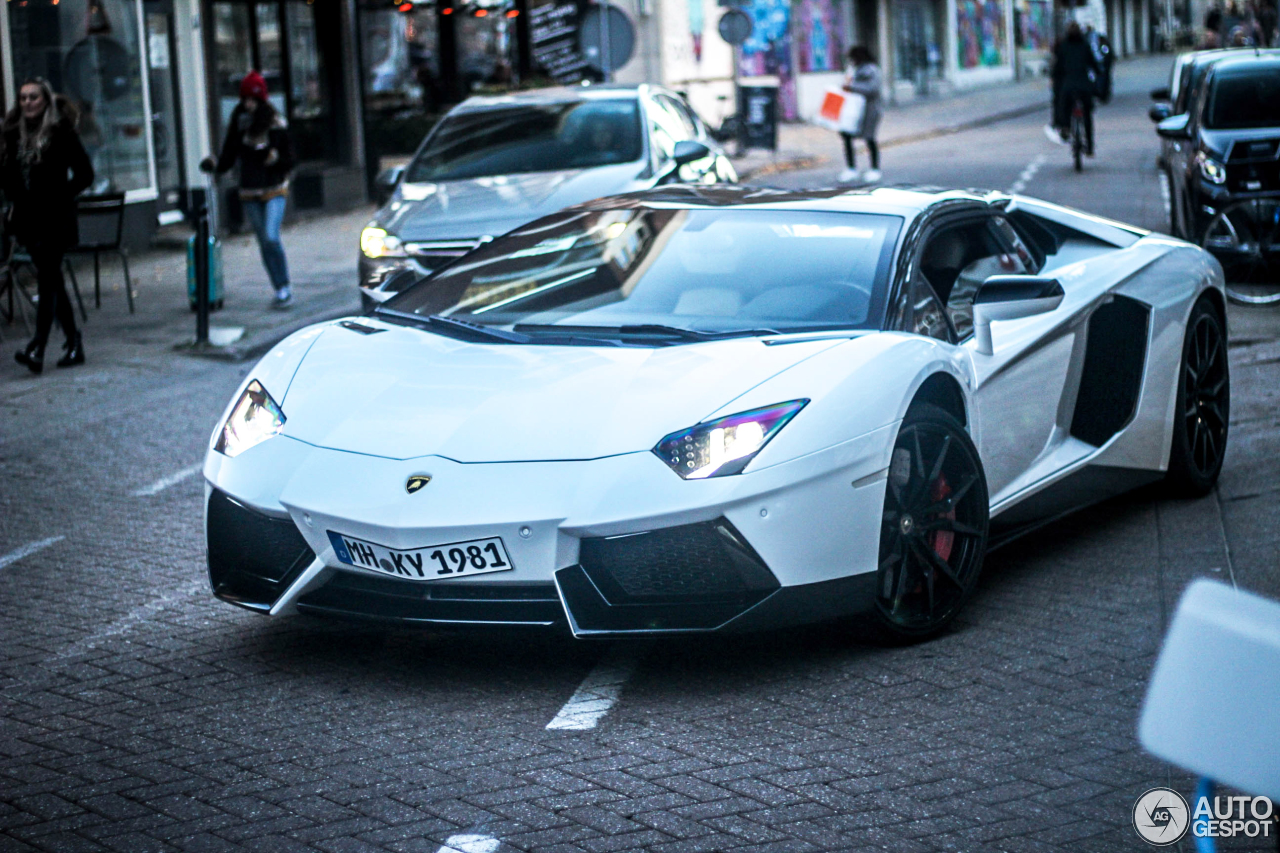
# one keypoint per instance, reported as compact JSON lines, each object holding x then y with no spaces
{"x":139,"y":714}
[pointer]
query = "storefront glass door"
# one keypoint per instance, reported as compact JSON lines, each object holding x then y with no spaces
{"x":166,"y":124}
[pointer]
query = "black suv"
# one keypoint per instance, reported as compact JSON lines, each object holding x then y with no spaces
{"x":1226,"y":147}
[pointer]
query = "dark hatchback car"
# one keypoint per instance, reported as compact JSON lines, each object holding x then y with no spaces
{"x":1225,"y":147}
{"x":495,"y":163}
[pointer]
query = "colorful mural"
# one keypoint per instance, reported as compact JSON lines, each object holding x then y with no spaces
{"x":980,"y":33}
{"x":697,"y":20}
{"x":768,"y":50}
{"x":821,"y":40}
{"x":1035,"y":24}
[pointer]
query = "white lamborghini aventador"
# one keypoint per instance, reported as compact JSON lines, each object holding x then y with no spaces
{"x":701,"y":408}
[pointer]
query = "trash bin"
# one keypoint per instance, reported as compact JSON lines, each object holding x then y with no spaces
{"x":758,"y":106}
{"x":215,"y":272}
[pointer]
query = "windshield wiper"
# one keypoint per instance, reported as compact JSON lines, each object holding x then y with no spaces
{"x":452,"y":326}
{"x":643,"y":330}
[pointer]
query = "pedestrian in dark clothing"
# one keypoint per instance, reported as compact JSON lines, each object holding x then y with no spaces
{"x":862,"y":77}
{"x":43,"y":167}
{"x":258,"y":139}
{"x":1075,"y":71}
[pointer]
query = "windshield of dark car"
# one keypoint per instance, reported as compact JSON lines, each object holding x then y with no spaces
{"x":706,"y":270}
{"x":531,"y":138}
{"x":1245,"y":99}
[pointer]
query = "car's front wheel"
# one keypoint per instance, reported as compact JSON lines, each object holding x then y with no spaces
{"x":933,"y":532}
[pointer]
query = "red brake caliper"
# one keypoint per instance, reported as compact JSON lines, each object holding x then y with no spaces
{"x":942,"y":540}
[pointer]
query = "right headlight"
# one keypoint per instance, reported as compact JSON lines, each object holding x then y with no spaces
{"x":255,"y":418}
{"x":724,"y":446}
{"x":376,"y":242}
{"x":1211,"y":170}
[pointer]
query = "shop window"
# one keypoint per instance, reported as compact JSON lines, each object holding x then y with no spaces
{"x":980,"y":33}
{"x":89,"y":50}
{"x":286,"y":43}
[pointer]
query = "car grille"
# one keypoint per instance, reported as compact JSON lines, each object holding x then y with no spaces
{"x":693,"y":562}
{"x":252,"y":557}
{"x":359,"y":596}
{"x":1252,"y":166}
{"x":435,"y":255}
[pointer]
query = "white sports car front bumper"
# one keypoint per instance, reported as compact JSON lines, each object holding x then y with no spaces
{"x":606,"y":546}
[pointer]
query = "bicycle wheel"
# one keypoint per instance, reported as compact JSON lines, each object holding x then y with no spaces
{"x":1245,"y":238}
{"x":1077,"y":141}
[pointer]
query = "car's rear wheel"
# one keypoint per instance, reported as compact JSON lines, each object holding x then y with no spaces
{"x":933,"y":532}
{"x":1203,"y":404}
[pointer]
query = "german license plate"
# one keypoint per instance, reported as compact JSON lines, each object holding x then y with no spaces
{"x":456,"y":559}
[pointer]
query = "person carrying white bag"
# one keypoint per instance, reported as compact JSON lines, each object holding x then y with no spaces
{"x":862,"y":77}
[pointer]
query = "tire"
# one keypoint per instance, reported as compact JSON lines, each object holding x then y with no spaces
{"x":928,"y":568}
{"x":1173,"y":205}
{"x":1202,"y":416}
{"x":1245,"y":238}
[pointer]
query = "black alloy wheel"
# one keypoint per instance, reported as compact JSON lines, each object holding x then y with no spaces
{"x":1203,"y":409}
{"x":934,"y":530}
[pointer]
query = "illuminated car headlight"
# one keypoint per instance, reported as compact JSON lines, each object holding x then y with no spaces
{"x":1211,"y":170}
{"x":255,"y":418}
{"x":724,"y":446}
{"x":375,"y":242}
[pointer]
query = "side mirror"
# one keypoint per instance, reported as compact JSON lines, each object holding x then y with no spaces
{"x":1161,"y":94}
{"x":385,"y":183}
{"x":1175,"y":127}
{"x":1159,"y":112}
{"x":1011,"y":297}
{"x":1213,"y":701}
{"x":689,"y":151}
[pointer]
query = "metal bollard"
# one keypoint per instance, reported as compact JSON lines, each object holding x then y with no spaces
{"x":202,"y":274}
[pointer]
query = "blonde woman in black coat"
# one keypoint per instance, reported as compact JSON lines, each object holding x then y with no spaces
{"x":43,"y":167}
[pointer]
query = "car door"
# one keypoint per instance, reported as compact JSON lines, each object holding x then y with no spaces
{"x":1018,"y":388}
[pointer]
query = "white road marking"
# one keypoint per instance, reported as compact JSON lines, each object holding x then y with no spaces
{"x":1164,"y":193}
{"x":470,"y":844}
{"x":172,"y":480}
{"x":134,"y":617}
{"x":1027,"y":174}
{"x":27,"y":550}
{"x":597,"y":693}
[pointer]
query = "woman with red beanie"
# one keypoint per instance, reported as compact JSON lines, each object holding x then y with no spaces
{"x":258,"y":139}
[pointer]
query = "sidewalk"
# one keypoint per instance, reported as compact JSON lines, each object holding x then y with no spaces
{"x":803,"y":146}
{"x":322,"y":251}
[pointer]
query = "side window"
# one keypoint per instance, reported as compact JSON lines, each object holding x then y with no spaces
{"x":919,"y":311}
{"x":957,"y":259}
{"x":662,"y":134}
{"x":683,"y":114}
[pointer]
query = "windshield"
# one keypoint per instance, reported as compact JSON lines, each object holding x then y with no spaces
{"x":1245,"y":100}
{"x":531,"y":138}
{"x":717,"y":270}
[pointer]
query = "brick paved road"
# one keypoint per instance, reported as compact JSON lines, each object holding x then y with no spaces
{"x":138,"y":714}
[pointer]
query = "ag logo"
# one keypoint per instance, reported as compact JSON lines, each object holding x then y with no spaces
{"x":416,"y":482}
{"x":1161,"y":816}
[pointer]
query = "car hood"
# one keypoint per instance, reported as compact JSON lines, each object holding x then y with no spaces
{"x":1218,"y":142}
{"x":405,"y":392}
{"x":491,"y":206}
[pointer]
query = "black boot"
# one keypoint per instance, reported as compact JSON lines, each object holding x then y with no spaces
{"x":32,"y":357}
{"x":75,"y":353}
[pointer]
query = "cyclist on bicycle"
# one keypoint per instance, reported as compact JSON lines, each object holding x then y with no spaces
{"x":1074,"y":71}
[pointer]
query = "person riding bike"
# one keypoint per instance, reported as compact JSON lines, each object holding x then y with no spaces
{"x":1074,"y":71}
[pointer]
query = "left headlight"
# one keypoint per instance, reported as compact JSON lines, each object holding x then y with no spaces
{"x":724,"y":446}
{"x":255,"y":418}
{"x":1212,"y":171}
{"x":376,"y":243}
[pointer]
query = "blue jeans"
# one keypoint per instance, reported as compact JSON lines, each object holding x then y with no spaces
{"x":265,"y":218}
